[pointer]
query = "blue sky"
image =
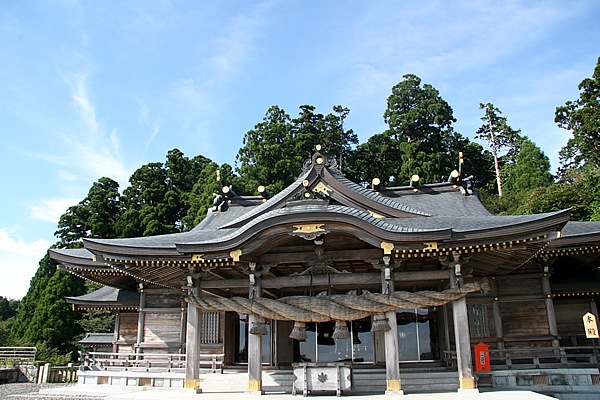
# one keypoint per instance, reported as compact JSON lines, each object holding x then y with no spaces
{"x":99,"y":88}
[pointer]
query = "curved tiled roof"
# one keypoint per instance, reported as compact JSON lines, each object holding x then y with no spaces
{"x":332,"y":212}
{"x":372,"y":195}
{"x":107,"y":296}
{"x":577,"y":228}
{"x":272,"y":202}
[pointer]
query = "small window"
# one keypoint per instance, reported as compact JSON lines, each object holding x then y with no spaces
{"x":209,"y":330}
{"x":478,"y":325}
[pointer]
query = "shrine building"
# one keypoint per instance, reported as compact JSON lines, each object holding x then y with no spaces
{"x":365,"y":289}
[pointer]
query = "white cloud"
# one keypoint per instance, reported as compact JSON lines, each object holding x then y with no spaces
{"x":88,"y":149}
{"x":51,"y":210}
{"x":98,"y":152}
{"x":18,"y":262}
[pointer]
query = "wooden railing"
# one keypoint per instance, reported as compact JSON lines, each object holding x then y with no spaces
{"x":149,"y":362}
{"x":537,"y":357}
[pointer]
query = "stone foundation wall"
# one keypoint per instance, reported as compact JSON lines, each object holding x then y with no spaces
{"x":26,"y":372}
{"x":562,"y":383}
{"x":9,"y":375}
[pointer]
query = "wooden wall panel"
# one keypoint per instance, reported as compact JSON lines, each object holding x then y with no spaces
{"x":162,"y":301}
{"x":128,"y":327}
{"x":162,"y":328}
{"x":569,"y":313}
{"x":524,"y":318}
{"x":516,"y":285}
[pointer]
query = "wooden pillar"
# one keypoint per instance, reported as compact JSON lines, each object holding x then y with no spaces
{"x":466,"y":379}
{"x":141,"y":320}
{"x":192,"y":338}
{"x":254,"y":341}
{"x":390,"y":337}
{"x":497,"y":314}
{"x":182,"y":326}
{"x":115,"y":346}
{"x":552,"y":326}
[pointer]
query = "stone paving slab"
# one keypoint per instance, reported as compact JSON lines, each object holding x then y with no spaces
{"x":181,"y":394}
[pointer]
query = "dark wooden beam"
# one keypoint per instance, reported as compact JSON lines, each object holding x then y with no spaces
{"x":336,"y":279}
{"x":328,"y":255}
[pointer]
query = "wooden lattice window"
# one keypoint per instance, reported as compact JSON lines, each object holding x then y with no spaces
{"x":478,"y":321}
{"x":209,"y":328}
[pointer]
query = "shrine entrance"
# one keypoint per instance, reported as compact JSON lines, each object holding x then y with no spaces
{"x":320,"y":346}
{"x":241,"y":341}
{"x":418,"y":334}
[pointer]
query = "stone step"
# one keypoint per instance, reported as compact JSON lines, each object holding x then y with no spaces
{"x":273,"y":382}
{"x":366,"y":381}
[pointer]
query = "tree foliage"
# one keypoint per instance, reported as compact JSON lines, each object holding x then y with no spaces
{"x":530,"y":170}
{"x":582,"y":196}
{"x":274,"y":151}
{"x":29,"y":303}
{"x":8,"y":311}
{"x":53,"y":324}
{"x":522,"y":173}
{"x":378,"y":157}
{"x":95,"y":216}
{"x":420,"y":122}
{"x":582,"y":117}
{"x":499,"y":136}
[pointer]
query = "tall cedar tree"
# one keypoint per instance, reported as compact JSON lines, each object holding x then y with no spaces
{"x":94,"y":216}
{"x":420,"y":121}
{"x":499,"y":136}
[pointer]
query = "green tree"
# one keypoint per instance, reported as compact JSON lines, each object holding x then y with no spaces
{"x":8,"y":310}
{"x":29,"y":303}
{"x":182,"y":174}
{"x":148,"y":209}
{"x":273,"y":152}
{"x":95,"y":216}
{"x":376,"y":158}
{"x":582,"y":196}
{"x":421,"y":122}
{"x":207,"y":186}
{"x":311,"y":129}
{"x":53,"y":324}
{"x":582,"y":117}
{"x":530,"y":170}
{"x":477,"y":163}
{"x":499,"y":136}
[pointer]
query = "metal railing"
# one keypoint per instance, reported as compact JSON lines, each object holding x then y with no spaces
{"x":537,"y":357}
{"x":10,"y":355}
{"x":149,"y":362}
